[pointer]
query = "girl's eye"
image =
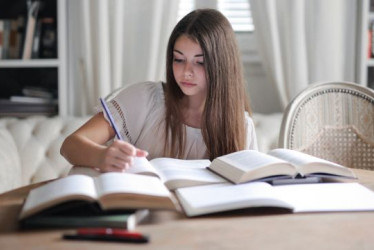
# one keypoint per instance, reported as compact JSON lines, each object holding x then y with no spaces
{"x":200,"y":63}
{"x":178,"y":60}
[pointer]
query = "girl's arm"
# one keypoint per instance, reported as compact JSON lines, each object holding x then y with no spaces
{"x":86,"y":147}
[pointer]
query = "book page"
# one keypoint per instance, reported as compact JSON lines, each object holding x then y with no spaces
{"x":111,"y":183}
{"x":308,"y":164}
{"x":171,"y":163}
{"x":58,"y":191}
{"x":248,"y":160}
{"x":124,"y":191}
{"x":224,"y":197}
{"x":327,"y":197}
{"x":176,"y":173}
{"x":295,"y":157}
{"x":142,"y":166}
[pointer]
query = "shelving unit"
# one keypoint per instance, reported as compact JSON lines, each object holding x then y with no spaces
{"x":38,"y":72}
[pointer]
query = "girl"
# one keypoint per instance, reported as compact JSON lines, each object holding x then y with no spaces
{"x":201,"y":111}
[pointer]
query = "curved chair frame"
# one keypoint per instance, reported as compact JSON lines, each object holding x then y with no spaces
{"x":318,"y":90}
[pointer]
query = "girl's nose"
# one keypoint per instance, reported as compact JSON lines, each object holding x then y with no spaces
{"x":188,"y":70}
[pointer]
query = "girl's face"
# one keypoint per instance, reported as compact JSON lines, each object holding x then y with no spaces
{"x":188,"y":67}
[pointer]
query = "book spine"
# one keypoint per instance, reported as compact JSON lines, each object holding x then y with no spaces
{"x":13,"y":39}
{"x":1,"y":37}
{"x":370,"y":34}
{"x":30,"y":29}
{"x":36,"y":40}
{"x":6,"y":35}
{"x":372,"y":40}
{"x":48,"y":45}
{"x":20,"y":36}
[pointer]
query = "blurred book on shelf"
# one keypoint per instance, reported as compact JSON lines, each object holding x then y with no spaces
{"x":33,"y":91}
{"x":371,"y":6}
{"x":1,"y":37}
{"x":29,"y":99}
{"x":5,"y":37}
{"x":22,"y":109}
{"x":33,"y":11}
{"x":11,"y":36}
{"x":29,"y":35}
{"x":48,"y":38}
{"x":370,"y":77}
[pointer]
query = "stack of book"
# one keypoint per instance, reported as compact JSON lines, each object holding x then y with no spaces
{"x":19,"y":109}
{"x":34,"y":101}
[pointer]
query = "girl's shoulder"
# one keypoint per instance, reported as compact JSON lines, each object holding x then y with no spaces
{"x":142,"y":89}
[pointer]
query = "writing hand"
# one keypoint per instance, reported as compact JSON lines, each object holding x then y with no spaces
{"x":119,"y":156}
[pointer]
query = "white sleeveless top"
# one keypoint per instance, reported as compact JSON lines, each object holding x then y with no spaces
{"x":139,"y":113}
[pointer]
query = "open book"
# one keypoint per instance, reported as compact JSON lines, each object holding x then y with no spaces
{"x":107,"y":192}
{"x":248,"y":165}
{"x":174,"y":173}
{"x":324,"y":197}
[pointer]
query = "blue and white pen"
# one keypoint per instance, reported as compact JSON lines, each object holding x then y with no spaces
{"x":111,"y":120}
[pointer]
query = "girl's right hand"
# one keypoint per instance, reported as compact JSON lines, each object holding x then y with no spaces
{"x":119,"y":156}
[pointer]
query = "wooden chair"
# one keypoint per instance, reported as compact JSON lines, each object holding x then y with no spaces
{"x":333,"y":121}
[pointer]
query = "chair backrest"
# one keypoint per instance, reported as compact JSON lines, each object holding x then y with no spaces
{"x":333,"y":121}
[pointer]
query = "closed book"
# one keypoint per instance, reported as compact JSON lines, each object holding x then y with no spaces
{"x":125,"y":220}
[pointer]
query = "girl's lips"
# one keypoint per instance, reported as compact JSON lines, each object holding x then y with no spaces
{"x":188,"y":84}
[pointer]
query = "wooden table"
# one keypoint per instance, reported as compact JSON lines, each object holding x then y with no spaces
{"x":250,"y":229}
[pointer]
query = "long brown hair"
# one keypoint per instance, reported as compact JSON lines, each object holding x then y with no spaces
{"x":223,"y":121}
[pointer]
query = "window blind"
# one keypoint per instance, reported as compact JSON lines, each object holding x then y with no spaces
{"x":238,"y":12}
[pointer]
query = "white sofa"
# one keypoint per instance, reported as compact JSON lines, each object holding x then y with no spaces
{"x":30,"y":147}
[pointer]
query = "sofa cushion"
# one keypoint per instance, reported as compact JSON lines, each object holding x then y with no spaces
{"x":38,"y":140}
{"x":10,"y":167}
